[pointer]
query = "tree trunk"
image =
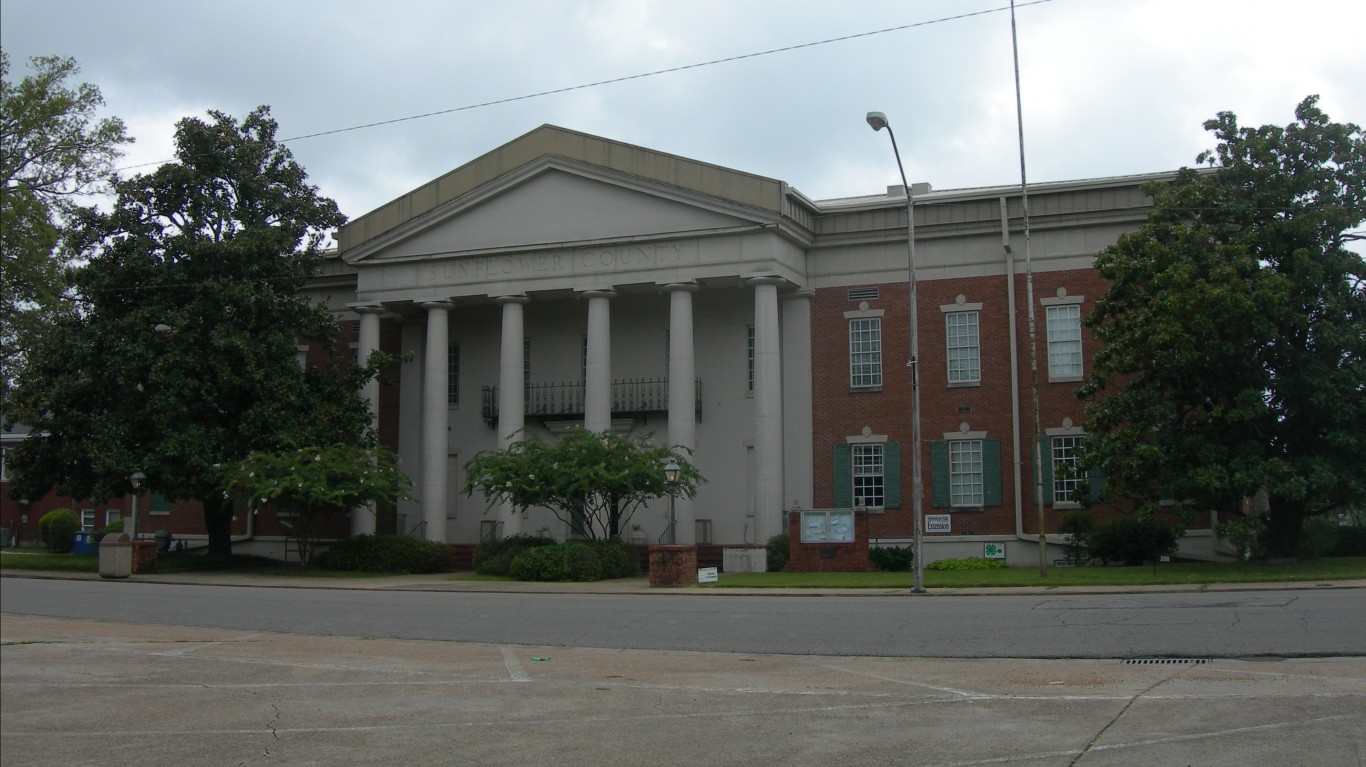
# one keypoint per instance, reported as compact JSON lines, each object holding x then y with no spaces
{"x":1283,"y":525}
{"x":218,"y":525}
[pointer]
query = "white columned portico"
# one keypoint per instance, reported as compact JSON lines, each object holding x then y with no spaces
{"x":435,"y":420}
{"x":511,"y":394}
{"x":682,"y":395}
{"x":363,"y":517}
{"x":597,"y":385}
{"x":768,"y":409}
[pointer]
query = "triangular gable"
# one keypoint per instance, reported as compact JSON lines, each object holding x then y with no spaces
{"x":402,"y":217}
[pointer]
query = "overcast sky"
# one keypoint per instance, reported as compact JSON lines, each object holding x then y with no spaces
{"x":1110,"y":87}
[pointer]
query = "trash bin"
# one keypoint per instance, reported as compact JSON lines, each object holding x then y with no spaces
{"x":163,"y":539}
{"x":82,"y":543}
{"x":116,"y":556}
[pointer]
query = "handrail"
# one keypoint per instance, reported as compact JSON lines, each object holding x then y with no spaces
{"x":566,"y":400}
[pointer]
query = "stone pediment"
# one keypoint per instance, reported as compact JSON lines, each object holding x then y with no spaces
{"x":554,"y":203}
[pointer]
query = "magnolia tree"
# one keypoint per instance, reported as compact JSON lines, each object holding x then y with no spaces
{"x":317,"y":484}
{"x":593,"y":481}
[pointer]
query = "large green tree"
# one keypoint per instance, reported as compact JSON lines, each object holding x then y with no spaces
{"x":52,"y":150}
{"x":1234,"y":330}
{"x":593,"y":481}
{"x":179,"y":356}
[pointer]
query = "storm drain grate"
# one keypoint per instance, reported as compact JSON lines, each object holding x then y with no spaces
{"x":1165,"y":661}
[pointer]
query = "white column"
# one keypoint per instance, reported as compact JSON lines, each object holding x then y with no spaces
{"x":597,"y":394}
{"x":768,"y":410}
{"x":363,"y":517}
{"x":797,"y":439}
{"x":682,"y":395}
{"x":511,"y":395}
{"x":435,"y":420}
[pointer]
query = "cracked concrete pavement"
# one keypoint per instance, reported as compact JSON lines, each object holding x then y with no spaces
{"x":100,"y":693}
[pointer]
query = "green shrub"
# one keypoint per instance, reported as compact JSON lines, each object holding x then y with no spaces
{"x":1133,"y":541}
{"x":397,"y":554}
{"x":966,"y":563}
{"x":56,"y":527}
{"x":109,"y":529}
{"x":1351,"y":542}
{"x":618,"y":560}
{"x":892,"y":559}
{"x":777,"y":552}
{"x":495,"y":557}
{"x":1318,"y":536}
{"x":1077,"y":527}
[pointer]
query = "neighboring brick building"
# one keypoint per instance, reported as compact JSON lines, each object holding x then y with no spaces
{"x":565,"y":280}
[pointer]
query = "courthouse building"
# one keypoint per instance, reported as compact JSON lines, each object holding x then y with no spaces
{"x":565,"y":280}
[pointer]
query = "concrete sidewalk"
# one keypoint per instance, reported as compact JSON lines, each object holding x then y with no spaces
{"x":640,"y":585}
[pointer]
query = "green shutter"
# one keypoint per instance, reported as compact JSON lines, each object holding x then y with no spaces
{"x":891,"y":475}
{"x":844,"y":476}
{"x":1046,"y":462}
{"x":991,"y":472}
{"x":939,"y":474}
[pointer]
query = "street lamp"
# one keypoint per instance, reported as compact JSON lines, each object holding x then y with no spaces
{"x":135,"y":479}
{"x":671,"y":479}
{"x":877,"y":121}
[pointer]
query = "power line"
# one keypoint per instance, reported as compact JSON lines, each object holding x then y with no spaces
{"x":640,"y":76}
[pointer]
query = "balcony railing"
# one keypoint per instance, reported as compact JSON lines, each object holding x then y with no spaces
{"x":633,"y":396}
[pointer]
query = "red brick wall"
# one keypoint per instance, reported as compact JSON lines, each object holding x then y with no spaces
{"x":825,"y":557}
{"x":672,"y":566}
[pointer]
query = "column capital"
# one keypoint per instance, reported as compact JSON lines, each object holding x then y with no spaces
{"x":806,"y":293}
{"x":512,"y":298}
{"x":688,"y":286}
{"x":367,"y":308}
{"x":766,"y":279}
{"x":597,"y":293}
{"x":437,"y":304}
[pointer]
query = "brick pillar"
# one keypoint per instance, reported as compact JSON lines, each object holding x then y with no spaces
{"x":673,"y":566}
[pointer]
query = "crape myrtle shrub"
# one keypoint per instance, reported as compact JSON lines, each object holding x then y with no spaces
{"x":56,"y":527}
{"x":398,"y":554}
{"x":892,"y":559}
{"x":778,"y":551}
{"x":575,"y":561}
{"x":495,"y":557}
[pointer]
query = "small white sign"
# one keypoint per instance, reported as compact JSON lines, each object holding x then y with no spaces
{"x":994,"y":550}
{"x":938,"y":523}
{"x":706,"y":575}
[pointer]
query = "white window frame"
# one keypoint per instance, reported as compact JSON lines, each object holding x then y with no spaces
{"x":111,"y":516}
{"x":967,"y":485}
{"x":865,"y":352}
{"x":1063,"y":323}
{"x":963,"y":347}
{"x":87,"y":520}
{"x":1062,"y":452}
{"x":868,"y":474}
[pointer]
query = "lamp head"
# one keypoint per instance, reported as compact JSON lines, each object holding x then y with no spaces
{"x":137,"y":478}
{"x":877,"y":120}
{"x":671,"y":472}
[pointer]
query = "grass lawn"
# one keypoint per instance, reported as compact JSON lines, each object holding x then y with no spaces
{"x":170,"y":562}
{"x":1335,"y":569}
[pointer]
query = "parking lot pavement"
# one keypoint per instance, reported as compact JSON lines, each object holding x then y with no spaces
{"x":90,"y":693}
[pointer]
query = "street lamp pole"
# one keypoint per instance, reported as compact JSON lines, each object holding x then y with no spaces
{"x":671,"y":479}
{"x":135,"y":479}
{"x":877,"y":121}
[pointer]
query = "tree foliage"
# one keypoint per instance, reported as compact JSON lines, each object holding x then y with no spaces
{"x":179,"y":357}
{"x":592,"y":481}
{"x":52,"y":149}
{"x":1234,"y":329}
{"x":318,"y":483}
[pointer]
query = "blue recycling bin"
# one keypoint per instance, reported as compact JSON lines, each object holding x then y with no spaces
{"x":82,"y":543}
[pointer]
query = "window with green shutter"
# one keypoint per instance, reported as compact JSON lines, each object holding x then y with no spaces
{"x":965,"y":473}
{"x":867,"y":474}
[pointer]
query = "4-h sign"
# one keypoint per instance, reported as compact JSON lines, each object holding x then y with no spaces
{"x":994,"y":550}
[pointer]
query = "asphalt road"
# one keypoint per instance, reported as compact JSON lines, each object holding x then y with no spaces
{"x":1246,"y":624}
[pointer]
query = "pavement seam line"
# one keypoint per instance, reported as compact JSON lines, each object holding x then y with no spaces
{"x":514,"y":666}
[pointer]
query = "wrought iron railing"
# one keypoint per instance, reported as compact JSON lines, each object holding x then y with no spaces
{"x":565,"y":400}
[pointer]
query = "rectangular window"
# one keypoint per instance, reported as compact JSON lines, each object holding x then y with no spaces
{"x":961,"y":330}
{"x":1064,"y":342}
{"x":6,"y":455}
{"x":868,"y":476}
{"x":965,"y":473}
{"x":87,"y":520}
{"x":158,"y":504}
{"x":453,"y":375}
{"x":111,"y":516}
{"x":865,"y":352}
{"x":1066,"y":475}
{"x":526,"y":365}
{"x":749,"y":355}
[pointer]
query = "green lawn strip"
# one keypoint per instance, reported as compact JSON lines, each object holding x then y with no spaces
{"x":1344,"y":568}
